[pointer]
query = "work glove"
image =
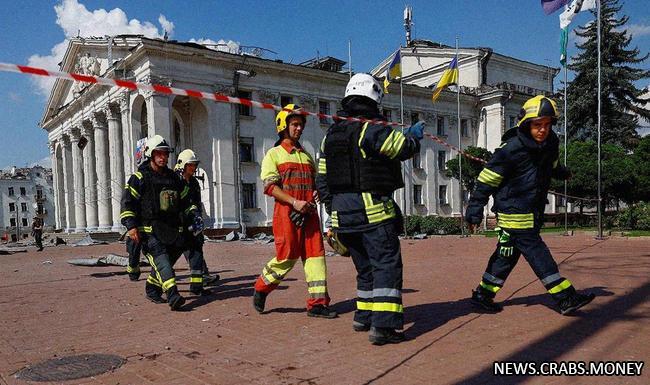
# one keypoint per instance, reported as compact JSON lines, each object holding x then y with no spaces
{"x":506,"y":246}
{"x":197,"y":226}
{"x":297,"y":218}
{"x":416,"y":130}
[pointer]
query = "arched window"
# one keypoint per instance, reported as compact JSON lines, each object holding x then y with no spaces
{"x":144,"y":126}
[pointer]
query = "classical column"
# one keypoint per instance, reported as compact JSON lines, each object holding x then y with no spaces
{"x":55,"y":183}
{"x":103,"y":172}
{"x":78,"y":179}
{"x":128,"y":144}
{"x":159,"y":119}
{"x":68,"y":187}
{"x":116,"y":162}
{"x":90,"y":177}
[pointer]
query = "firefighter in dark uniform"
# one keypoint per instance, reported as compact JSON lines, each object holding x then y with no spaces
{"x":199,"y":276}
{"x":153,"y":205}
{"x":518,"y":177}
{"x":358,"y":171}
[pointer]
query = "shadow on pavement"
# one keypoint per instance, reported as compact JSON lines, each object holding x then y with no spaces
{"x":556,"y":344}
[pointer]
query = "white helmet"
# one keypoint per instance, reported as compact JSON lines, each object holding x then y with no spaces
{"x":364,"y":85}
{"x":158,"y":143}
{"x":185,"y":157}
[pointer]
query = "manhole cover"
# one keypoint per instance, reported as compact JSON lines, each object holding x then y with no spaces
{"x":71,"y":367}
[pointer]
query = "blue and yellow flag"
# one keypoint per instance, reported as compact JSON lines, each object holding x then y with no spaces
{"x":449,"y":77}
{"x":394,"y":70}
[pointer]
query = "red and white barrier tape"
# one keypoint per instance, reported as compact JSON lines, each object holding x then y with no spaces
{"x":221,"y":98}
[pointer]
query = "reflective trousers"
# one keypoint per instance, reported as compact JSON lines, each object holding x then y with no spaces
{"x":162,"y":259}
{"x":291,"y":244}
{"x":511,"y":244}
{"x":377,"y":257}
{"x":194,"y":255}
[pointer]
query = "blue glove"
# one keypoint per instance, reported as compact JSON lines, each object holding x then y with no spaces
{"x":416,"y":130}
{"x":197,"y":227}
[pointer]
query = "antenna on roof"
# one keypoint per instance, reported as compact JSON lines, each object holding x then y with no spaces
{"x":408,"y":23}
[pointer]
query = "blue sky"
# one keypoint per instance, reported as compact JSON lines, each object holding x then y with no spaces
{"x":297,"y":31}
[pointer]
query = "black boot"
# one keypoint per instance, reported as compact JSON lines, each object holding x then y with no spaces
{"x":360,"y":326}
{"x":153,"y":293}
{"x":259,"y":300}
{"x":210,"y":280}
{"x":134,"y":276}
{"x":383,"y":336}
{"x":485,"y":302}
{"x":574,"y":302}
{"x":321,"y":311}
{"x":174,"y":299}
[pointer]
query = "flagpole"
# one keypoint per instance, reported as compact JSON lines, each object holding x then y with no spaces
{"x":566,"y":201}
{"x":350,"y":57}
{"x":460,"y":146}
{"x":600,"y":205}
{"x":401,"y":120}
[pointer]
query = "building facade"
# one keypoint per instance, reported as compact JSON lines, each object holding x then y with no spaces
{"x":93,"y":129}
{"x":25,"y":193}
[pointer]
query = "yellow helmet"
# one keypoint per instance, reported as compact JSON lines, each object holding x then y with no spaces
{"x":185,"y":157}
{"x":537,"y":107}
{"x":283,"y":116}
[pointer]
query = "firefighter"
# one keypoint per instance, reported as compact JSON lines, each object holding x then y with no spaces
{"x":153,"y":204}
{"x":288,"y":175}
{"x":518,"y":177}
{"x":358,"y":172}
{"x":199,"y":275}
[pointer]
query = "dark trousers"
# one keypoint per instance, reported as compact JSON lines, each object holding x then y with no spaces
{"x":194,"y":255}
{"x":510,"y":246}
{"x":38,"y":238}
{"x":162,"y":259}
{"x":377,"y":257}
{"x":133,"y":249}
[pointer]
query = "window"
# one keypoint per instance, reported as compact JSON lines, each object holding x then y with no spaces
{"x":285,"y":99}
{"x":39,"y":209}
{"x":464,"y":128}
{"x":512,"y":122}
{"x":12,"y":222}
{"x":23,"y":206}
{"x":39,"y":193}
{"x":23,"y":192}
{"x":248,"y":193}
{"x":246,"y":153}
{"x":442,"y":194}
{"x":12,"y":206}
{"x":417,"y":194}
{"x":11,"y":191}
{"x":245,"y":110}
{"x":324,"y":108}
{"x":442,"y":160}
{"x":441,"y":126}
{"x":560,"y":201}
{"x":416,"y":160}
{"x":144,"y":126}
{"x":388,"y":114}
{"x":24,"y":222}
{"x":415,"y":117}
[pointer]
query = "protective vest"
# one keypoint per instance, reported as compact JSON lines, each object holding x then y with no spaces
{"x":160,"y":198}
{"x":350,"y":170}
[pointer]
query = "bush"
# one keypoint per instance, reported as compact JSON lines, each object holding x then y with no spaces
{"x":412,"y":224}
{"x":431,"y":225}
{"x":636,"y":217}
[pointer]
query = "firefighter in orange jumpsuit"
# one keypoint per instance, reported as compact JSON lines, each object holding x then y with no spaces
{"x":288,"y":173}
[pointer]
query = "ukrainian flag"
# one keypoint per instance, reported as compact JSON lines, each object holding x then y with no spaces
{"x":394,"y":70}
{"x":449,"y":77}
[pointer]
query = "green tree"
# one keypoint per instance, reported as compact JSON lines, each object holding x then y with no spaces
{"x":617,"y":173}
{"x":641,"y":159}
{"x":621,"y":99}
{"x":471,"y":168}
